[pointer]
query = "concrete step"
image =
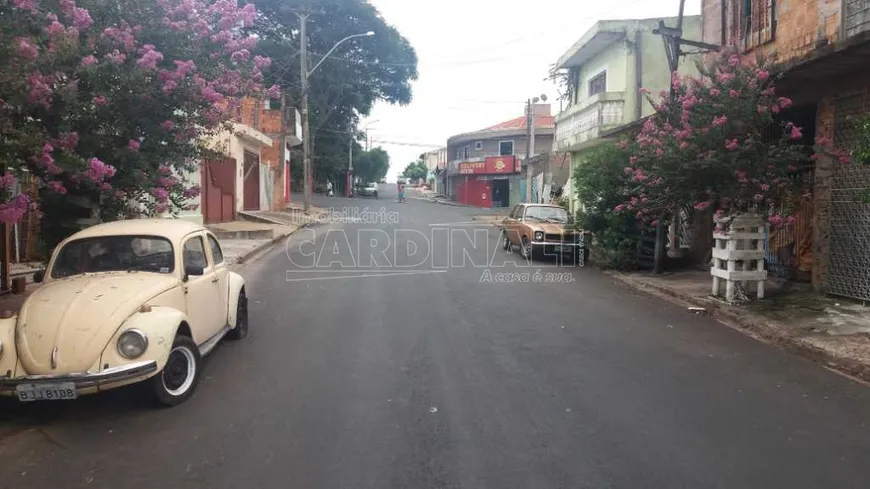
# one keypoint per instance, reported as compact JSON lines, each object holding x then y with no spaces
{"x":244,"y":233}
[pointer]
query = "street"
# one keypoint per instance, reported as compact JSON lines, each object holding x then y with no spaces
{"x":420,"y":376}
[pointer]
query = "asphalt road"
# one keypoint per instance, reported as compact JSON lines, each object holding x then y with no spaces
{"x":421,"y":375}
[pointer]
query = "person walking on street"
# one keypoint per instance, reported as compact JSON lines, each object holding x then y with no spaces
{"x":401,"y":193}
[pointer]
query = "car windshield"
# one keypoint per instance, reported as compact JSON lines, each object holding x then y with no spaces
{"x":114,"y":253}
{"x":548,"y":214}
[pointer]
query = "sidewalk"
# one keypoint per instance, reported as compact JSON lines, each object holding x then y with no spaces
{"x":834,"y":332}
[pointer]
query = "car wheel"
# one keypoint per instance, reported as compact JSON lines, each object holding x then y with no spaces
{"x":180,"y":376}
{"x":526,"y":248}
{"x":506,"y":242}
{"x":241,"y":328}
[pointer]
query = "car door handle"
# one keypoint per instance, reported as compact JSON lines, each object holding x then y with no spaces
{"x":215,"y":279}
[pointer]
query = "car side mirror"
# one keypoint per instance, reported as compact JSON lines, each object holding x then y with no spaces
{"x":193,"y":271}
{"x":39,"y":276}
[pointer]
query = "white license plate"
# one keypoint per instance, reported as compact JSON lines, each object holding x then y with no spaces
{"x":46,"y":392}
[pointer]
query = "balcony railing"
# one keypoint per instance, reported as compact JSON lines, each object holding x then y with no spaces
{"x":585,"y":121}
{"x":856,"y":18}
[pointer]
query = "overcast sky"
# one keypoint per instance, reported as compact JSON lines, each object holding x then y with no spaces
{"x":479,"y":60}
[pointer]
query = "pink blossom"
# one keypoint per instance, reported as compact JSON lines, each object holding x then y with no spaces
{"x":758,"y":197}
{"x":150,"y":58}
{"x":823,"y":140}
{"x":762,"y":75}
{"x":734,"y":60}
{"x":15,"y":209}
{"x":81,"y":19}
{"x":240,"y":56}
{"x":166,"y":182}
{"x":732,"y":144}
{"x":164,"y":170}
{"x":7,"y":180}
{"x":654,"y":223}
{"x":68,"y":140}
{"x":247,"y":15}
{"x":184,"y":68}
{"x":210,"y":95}
{"x":40,"y":92}
{"x":167,"y":125}
{"x":720,"y":121}
{"x":762,"y":109}
{"x":161,"y":194}
{"x":68,"y":7}
{"x":274,"y":91}
{"x":796,"y":132}
{"x":191,"y":192}
{"x":774,"y":108}
{"x":769,"y":92}
{"x":659,"y":152}
{"x":632,"y":160}
{"x":101,"y":100}
{"x":116,"y":57}
{"x":619,"y":208}
{"x":105,"y":186}
{"x":161,"y":208}
{"x":684,"y":145}
{"x":733,"y":93}
{"x":702,"y":205}
{"x":56,"y":187}
{"x":714,"y":92}
{"x":765,"y":187}
{"x":133,"y":145}
{"x":675,"y":81}
{"x":54,"y":28}
{"x":775,"y":219}
{"x":28,"y":5}
{"x":120,"y":195}
{"x":639,"y":215}
{"x":845,"y":159}
{"x":169,"y":86}
{"x":724,"y":77}
{"x":644,"y":91}
{"x":784,"y":102}
{"x":98,"y":171}
{"x":628,"y":170}
{"x":27,"y":50}
{"x":89,"y":60}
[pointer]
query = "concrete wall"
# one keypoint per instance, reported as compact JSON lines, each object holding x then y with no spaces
{"x":234,"y":146}
{"x":655,"y":75}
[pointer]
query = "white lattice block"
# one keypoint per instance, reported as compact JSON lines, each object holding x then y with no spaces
{"x":738,"y":256}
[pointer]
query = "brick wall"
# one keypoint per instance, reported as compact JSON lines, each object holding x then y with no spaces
{"x":253,"y":112}
{"x":801,"y":25}
{"x":822,"y":196}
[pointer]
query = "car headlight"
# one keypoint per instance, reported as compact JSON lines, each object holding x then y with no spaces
{"x":539,"y":235}
{"x":132,"y":344}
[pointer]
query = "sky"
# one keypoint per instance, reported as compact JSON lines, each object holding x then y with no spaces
{"x":480,"y":60}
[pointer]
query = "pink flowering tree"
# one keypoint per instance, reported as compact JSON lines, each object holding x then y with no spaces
{"x":718,"y":143}
{"x":106,"y":103}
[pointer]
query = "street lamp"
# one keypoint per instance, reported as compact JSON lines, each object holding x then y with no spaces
{"x":304,"y":75}
{"x":530,"y":147}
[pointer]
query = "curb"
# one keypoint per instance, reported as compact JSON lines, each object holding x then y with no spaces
{"x":268,"y":244}
{"x":754,"y":326}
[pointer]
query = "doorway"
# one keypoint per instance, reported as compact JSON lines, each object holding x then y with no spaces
{"x":501,"y":193}
{"x":251,"y":189}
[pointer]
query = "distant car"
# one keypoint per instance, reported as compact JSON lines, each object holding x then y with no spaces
{"x":537,"y":228}
{"x":370,"y":190}
{"x":136,"y":301}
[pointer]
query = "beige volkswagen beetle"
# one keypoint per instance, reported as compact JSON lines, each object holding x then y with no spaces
{"x":123,"y":302}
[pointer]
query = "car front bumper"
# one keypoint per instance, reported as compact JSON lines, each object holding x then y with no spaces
{"x":85,"y":380}
{"x":555,"y":248}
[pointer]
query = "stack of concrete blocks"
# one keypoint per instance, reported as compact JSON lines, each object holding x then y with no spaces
{"x":738,"y":256}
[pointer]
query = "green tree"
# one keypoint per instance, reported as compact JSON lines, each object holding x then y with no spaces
{"x":346,"y":86}
{"x":371,"y":166}
{"x":416,"y":171}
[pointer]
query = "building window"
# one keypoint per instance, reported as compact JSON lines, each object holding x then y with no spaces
{"x":478,"y":145}
{"x":752,"y":23}
{"x":505,"y":148}
{"x":598,"y":84}
{"x":465,"y":152}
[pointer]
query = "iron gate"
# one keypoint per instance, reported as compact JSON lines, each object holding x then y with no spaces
{"x":849,"y":267}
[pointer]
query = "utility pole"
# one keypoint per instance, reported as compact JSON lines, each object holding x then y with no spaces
{"x":283,"y":171}
{"x":349,"y":182}
{"x":306,"y":139}
{"x":673,"y":39}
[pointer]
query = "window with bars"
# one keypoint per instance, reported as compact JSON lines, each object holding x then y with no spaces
{"x":598,"y":84}
{"x":752,"y":23}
